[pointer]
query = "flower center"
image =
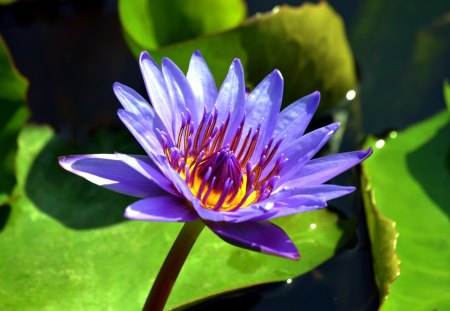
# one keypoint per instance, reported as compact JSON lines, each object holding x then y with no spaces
{"x":222,"y":177}
{"x":217,"y":180}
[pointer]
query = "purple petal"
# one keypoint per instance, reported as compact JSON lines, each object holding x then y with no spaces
{"x":107,"y":171}
{"x":290,"y":206}
{"x":152,"y":146}
{"x":206,"y":213}
{"x":178,"y":182}
{"x":202,"y":82}
{"x":231,"y":98}
{"x":137,"y":105}
{"x":321,"y":192}
{"x":143,"y":132}
{"x":322,"y":169}
{"x":262,"y":237}
{"x":268,"y":209}
{"x":161,"y":209}
{"x":294,"y":119}
{"x":180,"y":91}
{"x":241,"y":215}
{"x":146,"y":167}
{"x":304,"y":148}
{"x":259,"y":211}
{"x":133,"y":102}
{"x":262,"y":107}
{"x":157,"y":90}
{"x":283,"y":204}
{"x":288,"y":201}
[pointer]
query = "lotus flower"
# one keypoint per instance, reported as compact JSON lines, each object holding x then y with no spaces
{"x":227,"y":158}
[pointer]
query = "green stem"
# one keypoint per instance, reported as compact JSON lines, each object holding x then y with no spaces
{"x":171,"y":267}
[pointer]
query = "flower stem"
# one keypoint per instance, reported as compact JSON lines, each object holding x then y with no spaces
{"x":171,"y":267}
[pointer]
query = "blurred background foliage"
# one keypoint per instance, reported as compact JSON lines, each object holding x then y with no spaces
{"x":65,"y":241}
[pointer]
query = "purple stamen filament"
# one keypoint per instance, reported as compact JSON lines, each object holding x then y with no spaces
{"x":223,"y":177}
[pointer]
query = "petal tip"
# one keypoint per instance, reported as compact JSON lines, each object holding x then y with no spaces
{"x":145,"y":58}
{"x":289,"y":254}
{"x":237,"y":63}
{"x":315,"y":98}
{"x":130,"y":214}
{"x":144,"y":55}
{"x":62,"y":161}
{"x":293,"y":256}
{"x":118,"y":88}
{"x":333,"y":127}
{"x":350,"y":189}
{"x":197,"y":53}
{"x":311,"y":101}
{"x":67,"y":161}
{"x":166,"y":61}
{"x":277,"y":79}
{"x":316,"y":94}
{"x":277,"y":73}
{"x":366,"y":153}
{"x":121,"y":112}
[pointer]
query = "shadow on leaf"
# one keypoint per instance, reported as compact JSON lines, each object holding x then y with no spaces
{"x":428,"y":165}
{"x":71,"y":200}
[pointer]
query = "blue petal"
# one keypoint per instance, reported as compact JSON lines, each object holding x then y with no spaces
{"x":321,"y":192}
{"x":202,"y":82}
{"x":206,"y":214}
{"x":304,"y":148}
{"x":231,"y":98}
{"x":133,"y":102}
{"x":157,"y":91}
{"x":181,"y":93}
{"x":161,"y":209}
{"x":294,"y":119}
{"x":178,"y":182}
{"x":143,"y":131}
{"x":146,"y":167}
{"x":290,"y":206}
{"x":268,"y":209}
{"x":262,"y":108}
{"x":288,"y":201}
{"x":322,"y":169}
{"x":263,"y":237}
{"x":108,"y":171}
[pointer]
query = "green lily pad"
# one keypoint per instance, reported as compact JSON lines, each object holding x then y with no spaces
{"x":13,"y":114}
{"x":407,"y":197}
{"x":66,"y":246}
{"x":155,"y":23}
{"x":307,"y":44}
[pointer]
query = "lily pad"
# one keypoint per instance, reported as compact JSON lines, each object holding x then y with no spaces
{"x":407,"y":182}
{"x":155,"y":23}
{"x":68,"y":246}
{"x":307,"y":44}
{"x":13,"y":114}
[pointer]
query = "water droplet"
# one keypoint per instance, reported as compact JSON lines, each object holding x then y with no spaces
{"x":350,"y":95}
{"x":379,"y":143}
{"x":393,"y":134}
